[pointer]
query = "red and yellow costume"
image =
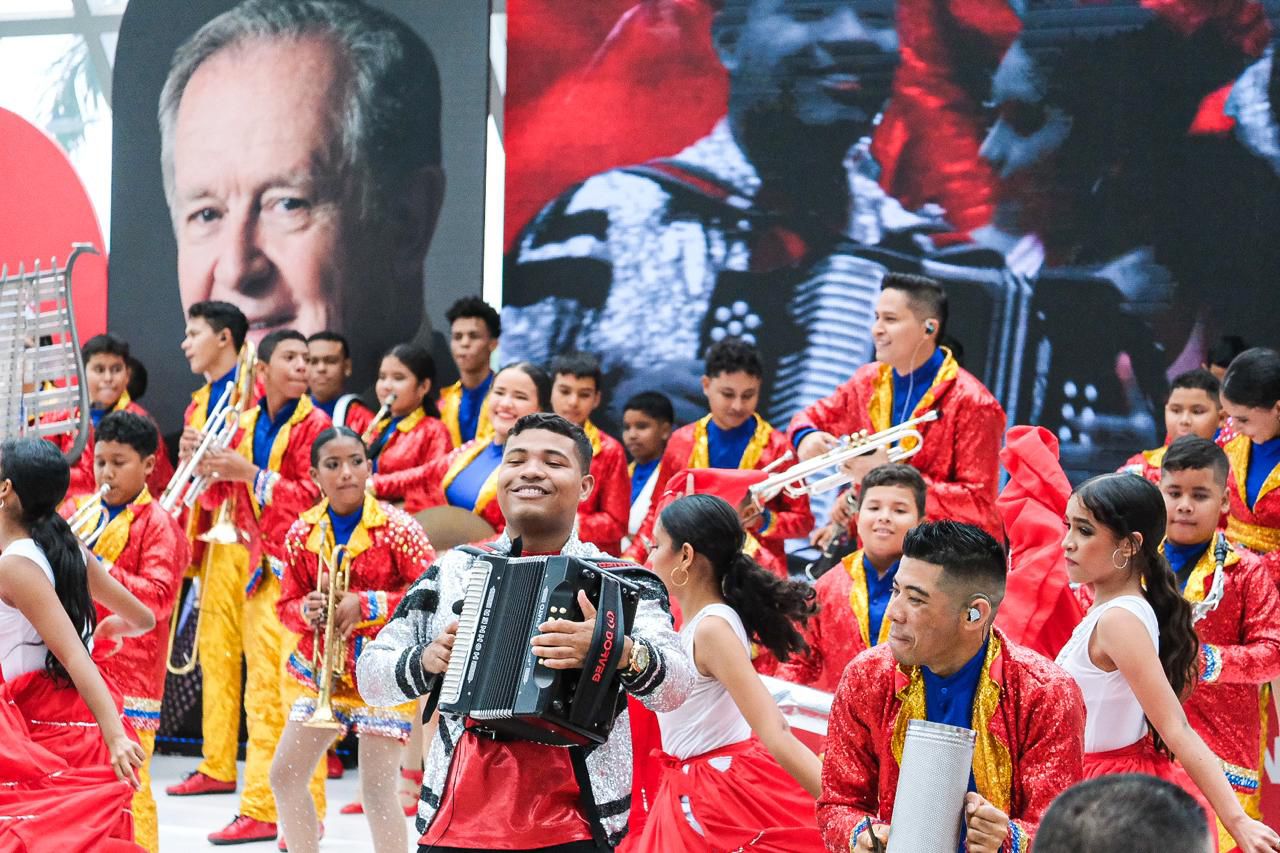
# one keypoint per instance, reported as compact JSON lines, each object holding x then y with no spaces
{"x":439,"y":473}
{"x":417,"y":441}
{"x":1146,"y":464}
{"x":959,"y":458}
{"x":387,"y":551}
{"x":144,"y":549}
{"x":1028,"y":713}
{"x":838,"y":632}
{"x":1239,"y":652}
{"x":789,"y":517}
{"x":84,"y":482}
{"x":603,"y":516}
{"x":238,"y":608}
{"x":1258,"y":527}
{"x":450,"y":400}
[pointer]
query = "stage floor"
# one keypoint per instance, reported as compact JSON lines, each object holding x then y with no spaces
{"x":186,"y":821}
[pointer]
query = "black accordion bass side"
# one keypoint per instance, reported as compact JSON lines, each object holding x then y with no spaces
{"x":493,"y":677}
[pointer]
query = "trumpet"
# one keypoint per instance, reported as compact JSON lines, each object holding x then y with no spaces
{"x":899,"y":442}
{"x":88,"y":522}
{"x":383,"y":411}
{"x":329,"y":660}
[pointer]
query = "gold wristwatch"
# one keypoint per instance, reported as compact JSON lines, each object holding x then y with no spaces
{"x":639,"y":658}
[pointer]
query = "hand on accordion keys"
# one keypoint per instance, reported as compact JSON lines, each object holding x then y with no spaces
{"x":564,"y":644}
{"x":435,"y":657}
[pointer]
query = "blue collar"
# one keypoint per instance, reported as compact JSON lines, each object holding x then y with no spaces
{"x":909,"y":390}
{"x":344,"y":525}
{"x":643,"y":471}
{"x":949,"y":699}
{"x":1183,"y":558}
{"x":326,"y":406}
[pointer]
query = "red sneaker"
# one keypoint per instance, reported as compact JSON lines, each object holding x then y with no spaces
{"x":198,"y":783}
{"x":281,"y":845}
{"x":352,"y":808}
{"x":242,"y":830}
{"x":336,"y":770}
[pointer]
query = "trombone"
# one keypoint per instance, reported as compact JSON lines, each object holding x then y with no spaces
{"x":900,"y":442}
{"x":329,"y":661}
{"x":88,"y":522}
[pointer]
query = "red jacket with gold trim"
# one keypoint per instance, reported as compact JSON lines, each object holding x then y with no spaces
{"x":144,"y":549}
{"x":960,"y":457}
{"x":1028,"y":713}
{"x":1256,"y":528}
{"x":83,"y":480}
{"x":837,"y":633}
{"x":267,"y":508}
{"x":1239,"y":652}
{"x":1145,"y":464}
{"x":790,"y":517}
{"x":433,"y":484}
{"x":603,"y":516}
{"x":388,"y":551}
{"x":418,"y":441}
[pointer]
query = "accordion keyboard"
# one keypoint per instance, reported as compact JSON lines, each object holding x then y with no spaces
{"x":468,"y":622}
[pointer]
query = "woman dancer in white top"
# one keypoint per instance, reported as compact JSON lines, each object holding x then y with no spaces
{"x":729,"y":750}
{"x":1136,"y":655}
{"x":48,"y":583}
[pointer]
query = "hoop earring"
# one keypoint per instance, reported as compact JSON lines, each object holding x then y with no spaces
{"x":1125,"y":565}
{"x":686,"y":576}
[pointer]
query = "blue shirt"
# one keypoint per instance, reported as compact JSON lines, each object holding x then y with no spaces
{"x":909,"y":390}
{"x":469,"y":407}
{"x":1263,"y":459}
{"x":377,"y":447}
{"x":879,"y":591}
{"x":267,"y":428}
{"x":464,"y":491}
{"x":327,"y":406}
{"x":96,"y":415}
{"x":949,"y":700}
{"x":725,"y":447}
{"x":344,"y":525}
{"x":113,"y":510}
{"x":643,"y":471}
{"x":216,"y":387}
{"x":1183,"y":558}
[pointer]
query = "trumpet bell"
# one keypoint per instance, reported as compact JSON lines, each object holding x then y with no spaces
{"x":323,"y":718}
{"x":223,"y":530}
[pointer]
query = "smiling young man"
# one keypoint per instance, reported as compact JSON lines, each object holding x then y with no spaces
{"x":853,"y":597}
{"x":1240,"y":636}
{"x":945,"y":662}
{"x":474,"y":331}
{"x":911,"y":375}
{"x":732,"y":435}
{"x":575,"y":395}
{"x":265,"y":476}
{"x":481,"y":793}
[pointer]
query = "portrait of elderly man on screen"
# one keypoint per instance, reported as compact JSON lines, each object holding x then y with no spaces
{"x":301,"y":155}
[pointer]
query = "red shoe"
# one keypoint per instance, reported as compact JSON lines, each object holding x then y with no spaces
{"x":336,"y":770}
{"x":243,"y":830}
{"x":352,"y":808}
{"x":198,"y":783}
{"x":281,"y":845}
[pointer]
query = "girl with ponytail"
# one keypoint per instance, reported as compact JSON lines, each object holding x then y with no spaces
{"x":1135,"y":654}
{"x":411,"y":436}
{"x":56,"y":711}
{"x":728,"y":745}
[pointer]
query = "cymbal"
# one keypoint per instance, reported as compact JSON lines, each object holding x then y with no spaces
{"x":450,"y":526}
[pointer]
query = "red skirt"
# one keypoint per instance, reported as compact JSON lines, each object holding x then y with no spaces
{"x":734,"y":798}
{"x":1141,"y":757}
{"x":57,"y":788}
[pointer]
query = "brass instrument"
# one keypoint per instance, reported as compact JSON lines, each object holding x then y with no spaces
{"x":329,"y":662}
{"x":383,"y":411}
{"x":88,"y":522}
{"x":899,"y":442}
{"x":187,"y":484}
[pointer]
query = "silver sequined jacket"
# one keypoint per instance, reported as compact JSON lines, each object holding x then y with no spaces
{"x":389,"y":672}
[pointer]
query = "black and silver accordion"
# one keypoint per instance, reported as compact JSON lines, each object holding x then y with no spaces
{"x":495,"y":680}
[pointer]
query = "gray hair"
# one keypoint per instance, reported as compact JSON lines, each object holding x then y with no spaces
{"x":390,"y":120}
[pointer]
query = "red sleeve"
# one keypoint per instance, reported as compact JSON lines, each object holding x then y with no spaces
{"x":1256,"y":659}
{"x":851,"y":765}
{"x":841,"y":413}
{"x":433,"y":444}
{"x":83,"y":481}
{"x":299,"y":578}
{"x":430,"y":479}
{"x":161,"y":563}
{"x":602,"y":520}
{"x":674,"y":459}
{"x":805,"y":668}
{"x":969,"y":492}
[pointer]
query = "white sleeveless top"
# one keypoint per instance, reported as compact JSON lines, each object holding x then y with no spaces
{"x":21,"y":649}
{"x":709,"y":719}
{"x":1113,"y":716}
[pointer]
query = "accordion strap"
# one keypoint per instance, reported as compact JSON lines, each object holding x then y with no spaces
{"x":578,"y":758}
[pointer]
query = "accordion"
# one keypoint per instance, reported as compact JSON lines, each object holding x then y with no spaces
{"x":495,"y":680}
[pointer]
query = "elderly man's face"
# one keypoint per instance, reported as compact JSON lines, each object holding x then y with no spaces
{"x":825,"y":61}
{"x":263,"y":218}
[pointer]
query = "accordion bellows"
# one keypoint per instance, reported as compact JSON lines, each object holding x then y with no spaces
{"x":928,"y":810}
